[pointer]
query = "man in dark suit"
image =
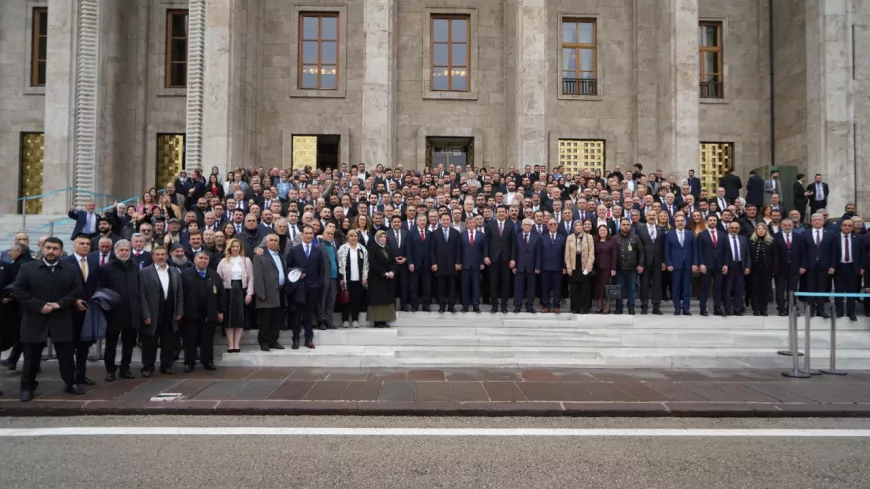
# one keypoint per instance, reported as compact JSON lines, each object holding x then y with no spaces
{"x":86,"y":220}
{"x":500,"y":254}
{"x":712,"y":260}
{"x":419,"y":266}
{"x":732,"y":185}
{"x":48,"y":290}
{"x":269,"y":277}
{"x":160,"y":292}
{"x":790,"y":249}
{"x":694,"y":184}
{"x":139,"y":256}
{"x":818,"y":194}
{"x":681,"y":257}
{"x":527,"y":267}
{"x":444,"y":253}
{"x":800,"y":196}
{"x":738,"y":263}
{"x":471,"y":251}
{"x":754,"y":189}
{"x":19,"y":253}
{"x":400,"y":247}
{"x":309,"y":258}
{"x":88,"y":265}
{"x":847,"y":267}
{"x":818,"y":243}
{"x":204,"y":304}
{"x":552,"y":267}
{"x":652,"y":238}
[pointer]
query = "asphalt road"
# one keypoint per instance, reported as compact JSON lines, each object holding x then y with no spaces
{"x":365,"y":462}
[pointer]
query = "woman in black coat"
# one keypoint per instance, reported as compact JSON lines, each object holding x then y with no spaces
{"x":382,"y":282}
{"x":764,"y":266}
{"x":121,"y":276}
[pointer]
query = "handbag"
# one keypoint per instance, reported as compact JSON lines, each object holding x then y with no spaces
{"x":613,"y":292}
{"x":343,"y":296}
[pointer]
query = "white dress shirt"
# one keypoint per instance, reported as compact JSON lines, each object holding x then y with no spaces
{"x":163,"y":275}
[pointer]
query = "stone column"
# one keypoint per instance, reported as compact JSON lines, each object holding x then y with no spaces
{"x":195,"y":72}
{"x":677,"y":102}
{"x":830,"y":117}
{"x":71,"y":101}
{"x":531,"y":85}
{"x":379,"y":83}
{"x":222,"y":109}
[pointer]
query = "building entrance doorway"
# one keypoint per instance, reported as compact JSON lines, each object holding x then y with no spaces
{"x":449,"y":151}
{"x":320,"y":151}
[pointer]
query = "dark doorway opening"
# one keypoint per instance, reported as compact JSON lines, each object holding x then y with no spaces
{"x":449,"y":151}
{"x":327,"y":151}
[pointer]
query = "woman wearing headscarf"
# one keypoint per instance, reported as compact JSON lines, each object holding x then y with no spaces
{"x":382,"y":283}
{"x":580,"y":263}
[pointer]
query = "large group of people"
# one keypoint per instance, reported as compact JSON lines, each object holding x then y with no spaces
{"x":292,"y":249}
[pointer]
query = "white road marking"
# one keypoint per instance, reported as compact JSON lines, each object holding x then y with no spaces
{"x":430,"y":432}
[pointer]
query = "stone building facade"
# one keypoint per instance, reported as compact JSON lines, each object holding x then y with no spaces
{"x":114,"y":95}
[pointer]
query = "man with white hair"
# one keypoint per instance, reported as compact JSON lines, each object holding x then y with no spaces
{"x":121,"y":275}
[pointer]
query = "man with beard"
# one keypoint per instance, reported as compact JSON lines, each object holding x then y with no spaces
{"x":178,"y":258}
{"x":162,"y":307}
{"x":121,"y":276}
{"x":105,"y":228}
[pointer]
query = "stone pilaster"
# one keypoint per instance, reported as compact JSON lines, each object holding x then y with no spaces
{"x":195,"y":72}
{"x":531,"y":85}
{"x":379,"y":83}
{"x":677,"y":101}
{"x":830,"y":118}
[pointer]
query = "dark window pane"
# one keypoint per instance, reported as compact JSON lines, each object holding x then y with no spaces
{"x":459,"y":54}
{"x":439,"y":79}
{"x":587,"y":32}
{"x":309,"y":76}
{"x":179,"y":49}
{"x":439,"y":54}
{"x":569,"y":32}
{"x":43,"y":43}
{"x":458,"y":34}
{"x":178,"y":75}
{"x":43,"y":22}
{"x":328,"y":77}
{"x":459,"y":80}
{"x":440,"y":32}
{"x":40,"y":73}
{"x":309,"y":27}
{"x":328,"y":52}
{"x":179,"y":25}
{"x":329,"y":28}
{"x":309,"y":52}
{"x":711,"y":62}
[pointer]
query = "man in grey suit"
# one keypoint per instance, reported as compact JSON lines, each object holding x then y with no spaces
{"x":772,"y":186}
{"x":162,"y":307}
{"x":652,"y":239}
{"x":269,"y":275}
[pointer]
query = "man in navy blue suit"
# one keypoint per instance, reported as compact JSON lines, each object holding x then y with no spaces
{"x":87,"y":220}
{"x":712,"y":258}
{"x":818,"y":242}
{"x":790,"y":250}
{"x":444,"y":256}
{"x":471,"y":251}
{"x":738,"y":264}
{"x":419,"y":267}
{"x":400,"y":247}
{"x":308,"y":257}
{"x":682,"y":259}
{"x":552,"y":266}
{"x":88,"y":265}
{"x":846,"y":266}
{"x":528,"y":266}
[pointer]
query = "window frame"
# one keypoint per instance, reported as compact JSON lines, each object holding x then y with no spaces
{"x":718,"y":49}
{"x":37,"y":38}
{"x":450,"y":18}
{"x":301,"y":44}
{"x":577,"y":47}
{"x":169,"y":61}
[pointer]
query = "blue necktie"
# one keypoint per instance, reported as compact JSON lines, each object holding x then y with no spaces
{"x":306,"y":251}
{"x":201,"y":274}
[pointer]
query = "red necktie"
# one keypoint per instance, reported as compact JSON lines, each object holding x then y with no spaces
{"x":422,"y":236}
{"x":472,"y":238}
{"x":500,"y":229}
{"x":714,"y":239}
{"x":103,"y":260}
{"x":788,"y":241}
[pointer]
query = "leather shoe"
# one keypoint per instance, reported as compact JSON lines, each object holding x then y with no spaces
{"x":426,"y":309}
{"x":26,"y":396}
{"x":852,"y":317}
{"x":167,"y":371}
{"x":264,"y":347}
{"x":276,"y":346}
{"x":556,"y":311}
{"x":824,"y":315}
{"x":126,"y":374}
{"x":110,"y":376}
{"x":545,"y":310}
{"x":451,"y":310}
{"x":6,"y":363}
{"x":494,"y":309}
{"x":531,"y":310}
{"x":188,"y":368}
{"x":86,"y":381}
{"x":643,"y":311}
{"x":704,"y":312}
{"x":295,"y":345}
{"x":517,"y":310}
{"x":441,"y":310}
{"x":687,"y":313}
{"x":309,"y":344}
{"x":504,"y":309}
{"x":657,"y":311}
{"x":464,"y":308}
{"x":677,"y":312}
{"x":74,"y":389}
{"x":209,"y":366}
{"x":321,"y":328}
{"x":630,"y":311}
{"x":476,"y":309}
{"x":147,"y":373}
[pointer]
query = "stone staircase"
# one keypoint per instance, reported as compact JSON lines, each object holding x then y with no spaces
{"x":35,"y":226}
{"x":590,"y":341}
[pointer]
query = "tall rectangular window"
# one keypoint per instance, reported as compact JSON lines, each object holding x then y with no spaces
{"x":176,"y":48}
{"x":577,"y":155}
{"x":716,"y":160}
{"x":710,"y":59}
{"x":39,"y":47}
{"x":579,"y":60}
{"x":451,"y":52}
{"x":318,"y":51}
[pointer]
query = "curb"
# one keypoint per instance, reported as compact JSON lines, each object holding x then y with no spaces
{"x":10,"y":408}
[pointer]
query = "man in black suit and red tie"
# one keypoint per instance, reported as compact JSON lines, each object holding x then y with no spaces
{"x":847,"y":266}
{"x":444,"y":252}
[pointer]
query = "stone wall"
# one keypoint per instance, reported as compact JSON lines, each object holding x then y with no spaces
{"x":790,"y":83}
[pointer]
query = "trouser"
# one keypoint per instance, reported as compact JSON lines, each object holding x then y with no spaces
{"x":845,"y":281}
{"x":551,"y":281}
{"x":446,"y":290}
{"x":581,"y":292}
{"x":499,"y":281}
{"x":627,"y":280}
{"x":651,"y":285}
{"x":784,"y":282}
{"x":330,"y":289}
{"x":817,"y":281}
{"x":401,"y":286}
{"x":350,"y":311}
{"x":270,"y":320}
{"x":304,"y":313}
{"x":471,"y":287}
{"x":681,"y":288}
{"x":734,"y":284}
{"x":760,"y":290}
{"x":33,"y":358}
{"x":421,"y":287}
{"x":15,"y":353}
{"x":164,"y":337}
{"x":317,"y":310}
{"x":713,"y":278}
{"x":198,"y":333}
{"x":128,"y":342}
{"x":81,"y":350}
{"x":524,"y":286}
{"x":747,"y":284}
